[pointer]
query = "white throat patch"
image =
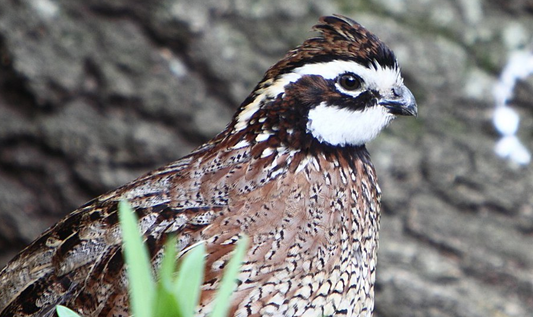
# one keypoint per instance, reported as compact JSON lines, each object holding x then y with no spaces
{"x":343,"y":126}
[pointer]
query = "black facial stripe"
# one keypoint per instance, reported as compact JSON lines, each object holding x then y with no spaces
{"x":340,"y":99}
{"x":312,"y":90}
{"x":364,"y":100}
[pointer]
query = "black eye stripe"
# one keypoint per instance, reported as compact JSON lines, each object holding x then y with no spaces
{"x":350,"y":81}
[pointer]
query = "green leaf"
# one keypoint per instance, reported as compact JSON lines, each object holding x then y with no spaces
{"x":139,"y":270}
{"x":189,"y":281}
{"x":228,"y":284}
{"x":168,"y":264}
{"x":63,"y":311}
{"x":166,"y":304}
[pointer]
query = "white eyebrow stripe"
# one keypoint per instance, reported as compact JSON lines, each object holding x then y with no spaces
{"x":382,"y":76}
{"x":331,"y":70}
{"x":378,"y":78}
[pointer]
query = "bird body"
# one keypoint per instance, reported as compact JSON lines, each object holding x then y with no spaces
{"x":291,"y":171}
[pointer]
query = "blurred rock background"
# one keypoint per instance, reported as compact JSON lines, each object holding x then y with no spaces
{"x":94,"y":93}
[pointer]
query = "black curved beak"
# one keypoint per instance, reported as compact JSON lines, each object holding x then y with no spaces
{"x":400,"y":102}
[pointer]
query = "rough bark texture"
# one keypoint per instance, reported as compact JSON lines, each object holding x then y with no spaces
{"x":94,"y":93}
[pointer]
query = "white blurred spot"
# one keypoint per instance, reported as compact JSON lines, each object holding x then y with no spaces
{"x":506,"y":120}
{"x":511,"y":148}
{"x":47,"y":9}
{"x":175,"y":65}
{"x":177,"y":68}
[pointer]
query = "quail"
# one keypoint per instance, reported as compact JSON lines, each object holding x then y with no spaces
{"x":291,"y":171}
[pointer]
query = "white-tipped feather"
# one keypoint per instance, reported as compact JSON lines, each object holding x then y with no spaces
{"x":270,"y":92}
{"x":343,"y":126}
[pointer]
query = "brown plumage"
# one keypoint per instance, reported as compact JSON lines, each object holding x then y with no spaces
{"x":303,"y":189}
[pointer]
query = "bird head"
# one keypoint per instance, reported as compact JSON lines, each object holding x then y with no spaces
{"x":338,"y":89}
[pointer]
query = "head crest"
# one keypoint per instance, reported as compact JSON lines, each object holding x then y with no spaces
{"x":340,"y":38}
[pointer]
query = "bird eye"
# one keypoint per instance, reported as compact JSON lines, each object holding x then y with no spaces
{"x":350,"y":82}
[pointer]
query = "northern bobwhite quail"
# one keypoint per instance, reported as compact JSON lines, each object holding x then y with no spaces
{"x":291,"y":171}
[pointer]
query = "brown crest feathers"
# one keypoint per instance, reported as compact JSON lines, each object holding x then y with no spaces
{"x":340,"y":38}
